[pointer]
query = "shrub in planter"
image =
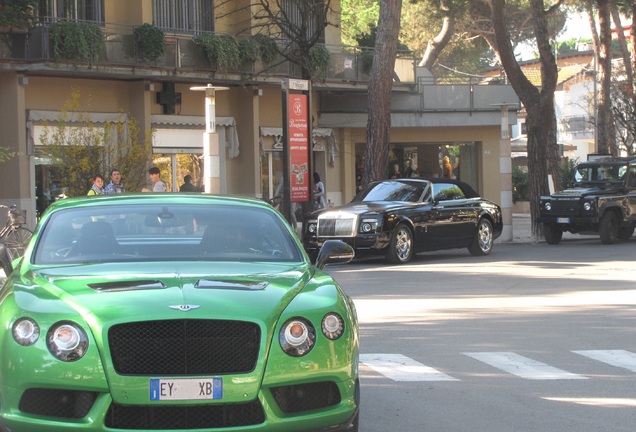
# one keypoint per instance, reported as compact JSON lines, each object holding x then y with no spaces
{"x":150,"y":43}
{"x":77,"y":41}
{"x":520,"y":184}
{"x":16,"y":14}
{"x":222,"y":51}
{"x":320,"y":59}
{"x":258,"y":48}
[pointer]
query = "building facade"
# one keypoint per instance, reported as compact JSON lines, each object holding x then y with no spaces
{"x":429,"y":120}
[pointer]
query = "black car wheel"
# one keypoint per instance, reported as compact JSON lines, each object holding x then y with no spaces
{"x":401,"y":245}
{"x":625,"y":233}
{"x":608,"y":228}
{"x":552,"y":233}
{"x":483,"y":240}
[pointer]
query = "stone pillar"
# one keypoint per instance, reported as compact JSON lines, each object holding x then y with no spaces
{"x":505,"y":176}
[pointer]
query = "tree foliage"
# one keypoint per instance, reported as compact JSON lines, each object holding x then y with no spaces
{"x":17,"y":13}
{"x":79,"y":149}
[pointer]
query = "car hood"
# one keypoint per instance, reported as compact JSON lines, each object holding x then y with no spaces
{"x":365,"y":207}
{"x":586,"y":191}
{"x":115,"y":292}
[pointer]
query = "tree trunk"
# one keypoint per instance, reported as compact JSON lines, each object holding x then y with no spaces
{"x":541,"y":117}
{"x":604,"y":125}
{"x":376,"y":154}
{"x":436,"y":45}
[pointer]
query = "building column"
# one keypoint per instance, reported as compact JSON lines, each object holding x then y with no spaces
{"x":505,"y":176}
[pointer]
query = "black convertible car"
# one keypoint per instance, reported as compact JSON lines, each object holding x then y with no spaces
{"x":401,"y":217}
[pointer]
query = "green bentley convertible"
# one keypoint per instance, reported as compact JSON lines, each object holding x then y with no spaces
{"x":175,"y":312}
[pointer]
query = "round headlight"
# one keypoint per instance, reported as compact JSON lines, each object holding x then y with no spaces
{"x":366,"y":227}
{"x":587,"y":206}
{"x":311,"y":228}
{"x":332,"y":326}
{"x":26,"y":331}
{"x":67,"y":341}
{"x":548,"y":206}
{"x":297,"y":337}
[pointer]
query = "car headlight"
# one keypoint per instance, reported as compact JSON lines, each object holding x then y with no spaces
{"x":547,"y":206}
{"x":26,"y":331}
{"x":297,"y":337}
{"x":587,"y":206}
{"x":368,"y":225}
{"x":332,"y":326}
{"x":67,"y":341}
{"x":311,"y":227}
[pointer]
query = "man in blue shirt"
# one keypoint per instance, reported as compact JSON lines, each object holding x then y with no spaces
{"x":115,"y":185}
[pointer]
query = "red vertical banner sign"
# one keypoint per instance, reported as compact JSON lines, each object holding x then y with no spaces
{"x":298,"y":130}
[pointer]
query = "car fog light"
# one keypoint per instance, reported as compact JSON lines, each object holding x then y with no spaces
{"x":548,"y":206}
{"x":26,"y":331}
{"x":332,"y":326}
{"x":587,"y":206}
{"x":297,"y":337}
{"x":67,"y":341}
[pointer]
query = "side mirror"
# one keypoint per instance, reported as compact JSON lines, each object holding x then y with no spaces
{"x":334,"y":252}
{"x":5,"y":260}
{"x":441,"y":197}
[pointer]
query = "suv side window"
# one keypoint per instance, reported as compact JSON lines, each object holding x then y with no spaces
{"x":631,"y":176}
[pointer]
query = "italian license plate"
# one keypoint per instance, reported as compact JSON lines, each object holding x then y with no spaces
{"x":563,"y":220}
{"x":186,"y":388}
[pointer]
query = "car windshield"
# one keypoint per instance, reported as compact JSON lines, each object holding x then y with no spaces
{"x":392,"y":191}
{"x":600,"y":173}
{"x":152,"y":232}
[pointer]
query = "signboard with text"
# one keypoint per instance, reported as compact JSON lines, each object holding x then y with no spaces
{"x":298,"y":132}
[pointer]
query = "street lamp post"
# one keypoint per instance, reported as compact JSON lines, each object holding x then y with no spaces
{"x":211,"y":150}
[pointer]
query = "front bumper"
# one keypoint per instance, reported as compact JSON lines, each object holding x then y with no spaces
{"x":269,"y":412}
{"x":362,"y":243}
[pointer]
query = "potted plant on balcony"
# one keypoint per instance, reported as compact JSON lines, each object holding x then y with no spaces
{"x":320,"y":60}
{"x":15,"y":20}
{"x":222,"y":51}
{"x":77,"y":41}
{"x":150,"y":42}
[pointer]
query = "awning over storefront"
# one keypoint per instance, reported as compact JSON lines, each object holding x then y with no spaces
{"x":40,"y":122}
{"x":320,"y":136}
{"x":176,"y":122}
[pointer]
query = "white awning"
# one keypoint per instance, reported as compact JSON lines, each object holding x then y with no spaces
{"x":198,"y":122}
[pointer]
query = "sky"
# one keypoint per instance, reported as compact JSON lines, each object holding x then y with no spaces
{"x":576,"y":27}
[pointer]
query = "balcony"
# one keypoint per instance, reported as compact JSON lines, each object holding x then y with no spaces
{"x":33,"y":51}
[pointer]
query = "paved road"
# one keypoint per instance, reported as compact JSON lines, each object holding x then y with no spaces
{"x":532,"y":338}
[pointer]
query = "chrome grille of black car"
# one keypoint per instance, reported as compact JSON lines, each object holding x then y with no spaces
{"x":184,"y":347}
{"x":340,"y":227}
{"x":566,"y":207}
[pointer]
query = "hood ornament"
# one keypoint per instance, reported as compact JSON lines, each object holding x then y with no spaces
{"x":184,"y":308}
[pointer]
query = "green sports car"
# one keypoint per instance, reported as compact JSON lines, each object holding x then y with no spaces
{"x":175,"y":312}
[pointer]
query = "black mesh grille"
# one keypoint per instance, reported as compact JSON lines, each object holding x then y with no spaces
{"x":305,"y":397}
{"x":184,"y":347}
{"x":57,"y":403}
{"x":184,"y":417}
{"x":566,"y":207}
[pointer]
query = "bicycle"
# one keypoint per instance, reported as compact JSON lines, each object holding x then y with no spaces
{"x":14,"y":235}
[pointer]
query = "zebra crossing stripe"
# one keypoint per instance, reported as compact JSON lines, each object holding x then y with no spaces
{"x":619,"y":358}
{"x":522,"y":366}
{"x":401,"y":368}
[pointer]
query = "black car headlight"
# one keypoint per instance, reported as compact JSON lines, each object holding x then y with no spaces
{"x":547,"y":206}
{"x":332,"y":326}
{"x":67,"y":341}
{"x":588,"y":205}
{"x":26,"y":331}
{"x":312,"y":226}
{"x":368,"y":225}
{"x":297,"y":337}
